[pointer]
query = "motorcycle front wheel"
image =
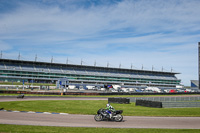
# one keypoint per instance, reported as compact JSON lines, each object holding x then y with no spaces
{"x":118,"y":118}
{"x":98,"y":117}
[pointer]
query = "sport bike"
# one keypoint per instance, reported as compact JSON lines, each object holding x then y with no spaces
{"x":102,"y":114}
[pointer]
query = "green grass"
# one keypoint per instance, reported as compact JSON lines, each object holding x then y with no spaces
{"x":46,"y":129}
{"x":90,"y":107}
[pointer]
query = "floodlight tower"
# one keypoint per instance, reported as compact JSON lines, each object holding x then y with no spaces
{"x":199,"y":62}
{"x":1,"y":55}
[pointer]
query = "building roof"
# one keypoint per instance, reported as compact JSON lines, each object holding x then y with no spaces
{"x":86,"y":66}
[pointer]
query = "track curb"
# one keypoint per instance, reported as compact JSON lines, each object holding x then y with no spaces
{"x":16,"y":111}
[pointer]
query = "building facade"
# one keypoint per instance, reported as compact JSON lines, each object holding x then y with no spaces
{"x":44,"y":72}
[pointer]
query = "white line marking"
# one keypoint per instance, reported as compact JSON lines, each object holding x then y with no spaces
{"x":46,"y":113}
{"x":30,"y":112}
{"x":64,"y":113}
{"x":15,"y":111}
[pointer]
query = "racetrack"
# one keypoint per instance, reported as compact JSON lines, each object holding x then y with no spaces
{"x":69,"y":120}
{"x":30,"y":98}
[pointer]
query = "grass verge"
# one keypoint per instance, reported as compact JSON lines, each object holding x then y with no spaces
{"x":45,"y":129}
{"x":90,"y":107}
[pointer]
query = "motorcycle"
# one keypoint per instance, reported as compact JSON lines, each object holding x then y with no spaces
{"x":103,"y":114}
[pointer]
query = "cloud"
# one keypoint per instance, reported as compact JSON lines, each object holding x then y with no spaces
{"x":4,"y":46}
{"x":148,"y":32}
{"x":137,"y":15}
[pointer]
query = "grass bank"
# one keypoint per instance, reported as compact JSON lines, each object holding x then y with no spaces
{"x":90,"y":107}
{"x":46,"y":129}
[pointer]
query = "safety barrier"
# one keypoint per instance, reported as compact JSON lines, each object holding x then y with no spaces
{"x":145,"y":93}
{"x":132,"y":99}
{"x":119,"y":100}
{"x":148,"y":103}
{"x":156,"y":104}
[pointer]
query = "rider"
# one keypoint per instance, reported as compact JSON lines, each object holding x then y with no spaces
{"x":109,"y":109}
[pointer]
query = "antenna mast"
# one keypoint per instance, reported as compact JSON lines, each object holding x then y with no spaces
{"x":52,"y":59}
{"x":67,"y":61}
{"x":1,"y":55}
{"x":19,"y":56}
{"x":95,"y":63}
{"x":81,"y":62}
{"x":35,"y":57}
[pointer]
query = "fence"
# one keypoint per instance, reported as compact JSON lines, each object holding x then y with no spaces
{"x":165,"y":99}
{"x":180,"y":104}
{"x":172,"y":102}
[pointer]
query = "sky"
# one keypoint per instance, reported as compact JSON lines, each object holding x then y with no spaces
{"x":158,"y":34}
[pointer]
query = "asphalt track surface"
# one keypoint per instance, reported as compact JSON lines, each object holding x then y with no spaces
{"x":70,"y":120}
{"x":30,"y":98}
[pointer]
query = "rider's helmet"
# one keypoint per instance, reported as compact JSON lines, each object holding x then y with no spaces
{"x":108,"y":105}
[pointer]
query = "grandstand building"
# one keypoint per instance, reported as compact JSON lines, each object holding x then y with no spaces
{"x":46,"y":72}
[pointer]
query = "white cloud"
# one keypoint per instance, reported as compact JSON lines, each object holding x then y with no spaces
{"x":141,"y":16}
{"x":4,"y":46}
{"x":159,"y":33}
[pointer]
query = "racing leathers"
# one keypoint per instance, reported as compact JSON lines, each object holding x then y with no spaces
{"x":109,"y":109}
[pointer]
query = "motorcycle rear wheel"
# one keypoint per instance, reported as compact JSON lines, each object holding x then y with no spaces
{"x":118,"y":118}
{"x":98,"y":117}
